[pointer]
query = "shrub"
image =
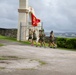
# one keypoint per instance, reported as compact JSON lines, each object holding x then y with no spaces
{"x":69,"y":43}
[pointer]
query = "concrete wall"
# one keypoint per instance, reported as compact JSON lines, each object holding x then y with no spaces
{"x":8,"y":32}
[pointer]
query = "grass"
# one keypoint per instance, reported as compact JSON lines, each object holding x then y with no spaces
{"x":40,"y":61}
{"x":2,"y":68}
{"x":13,"y":39}
{"x":9,"y":57}
{"x":25,"y":42}
{"x":66,"y":49}
{"x":7,"y":38}
{"x":27,"y":69}
{"x":1,"y":44}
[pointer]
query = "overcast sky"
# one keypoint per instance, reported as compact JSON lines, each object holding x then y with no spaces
{"x":57,"y":15}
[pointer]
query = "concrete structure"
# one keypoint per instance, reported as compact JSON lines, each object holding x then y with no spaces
{"x":23,"y":22}
{"x":23,"y":15}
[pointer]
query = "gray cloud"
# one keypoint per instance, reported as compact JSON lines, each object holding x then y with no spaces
{"x":8,"y":13}
{"x":57,"y":15}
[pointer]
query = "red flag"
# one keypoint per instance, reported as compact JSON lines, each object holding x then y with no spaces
{"x":35,"y":20}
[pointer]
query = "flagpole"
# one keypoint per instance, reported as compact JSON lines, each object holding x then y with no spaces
{"x":41,"y":25}
{"x":34,"y":27}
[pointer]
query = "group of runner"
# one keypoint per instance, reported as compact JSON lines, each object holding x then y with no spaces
{"x":33,"y":38}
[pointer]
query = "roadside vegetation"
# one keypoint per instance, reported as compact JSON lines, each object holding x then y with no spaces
{"x":67,"y":43}
{"x":13,"y":39}
{"x":9,"y":58}
{"x":7,"y":38}
{"x":1,"y":44}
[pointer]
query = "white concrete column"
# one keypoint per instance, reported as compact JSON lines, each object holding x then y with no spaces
{"x":23,"y":18}
{"x":22,"y":34}
{"x":23,"y":4}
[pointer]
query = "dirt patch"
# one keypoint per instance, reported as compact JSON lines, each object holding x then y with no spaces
{"x":22,"y":64}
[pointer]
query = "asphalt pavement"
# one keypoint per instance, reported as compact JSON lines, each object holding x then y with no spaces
{"x":16,"y":59}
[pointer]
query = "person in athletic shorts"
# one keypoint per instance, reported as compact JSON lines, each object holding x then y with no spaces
{"x":51,"y":40}
{"x":34,"y":37}
{"x":30,"y":35}
{"x":41,"y":38}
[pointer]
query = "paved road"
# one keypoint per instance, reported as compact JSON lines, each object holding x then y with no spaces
{"x":9,"y":42}
{"x":28,"y":60}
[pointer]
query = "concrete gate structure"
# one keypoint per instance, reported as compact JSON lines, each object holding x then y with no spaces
{"x":24,"y":23}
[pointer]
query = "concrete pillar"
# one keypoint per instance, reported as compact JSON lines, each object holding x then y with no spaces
{"x":23,"y":21}
{"x":23,"y":18}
